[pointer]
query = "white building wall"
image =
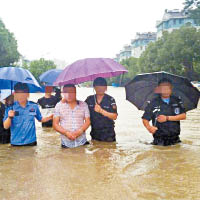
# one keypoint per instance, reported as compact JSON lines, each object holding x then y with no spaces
{"x":137,"y":51}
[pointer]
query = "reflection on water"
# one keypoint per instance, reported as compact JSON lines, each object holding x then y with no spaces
{"x":127,"y":169}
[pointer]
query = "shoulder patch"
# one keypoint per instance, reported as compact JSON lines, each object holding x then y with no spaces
{"x":114,"y":107}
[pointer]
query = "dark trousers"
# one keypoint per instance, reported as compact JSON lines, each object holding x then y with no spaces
{"x":165,"y":140}
{"x":4,"y":137}
{"x":30,"y":144}
{"x":104,"y":134}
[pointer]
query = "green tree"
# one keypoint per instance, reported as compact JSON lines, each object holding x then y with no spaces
{"x":176,"y":52}
{"x":131,"y":64}
{"x":8,"y":47}
{"x":193,"y":8}
{"x":37,"y":67}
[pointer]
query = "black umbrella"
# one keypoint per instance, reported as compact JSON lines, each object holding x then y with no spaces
{"x":141,"y":89}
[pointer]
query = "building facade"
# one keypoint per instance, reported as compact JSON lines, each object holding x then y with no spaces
{"x":124,"y":54}
{"x":140,"y":43}
{"x":173,"y":19}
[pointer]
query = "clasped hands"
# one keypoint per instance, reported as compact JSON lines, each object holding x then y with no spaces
{"x":72,"y":135}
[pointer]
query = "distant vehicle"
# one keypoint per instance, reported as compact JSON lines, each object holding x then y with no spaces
{"x":115,"y":84}
{"x":196,"y":84}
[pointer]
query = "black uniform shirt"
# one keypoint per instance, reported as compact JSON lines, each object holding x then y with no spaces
{"x":158,"y":107}
{"x":46,"y":103}
{"x":4,"y":133}
{"x":98,"y":121}
{"x":2,"y":111}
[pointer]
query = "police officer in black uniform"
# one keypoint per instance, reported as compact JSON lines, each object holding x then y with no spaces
{"x":165,"y":111}
{"x":103,"y":112}
{"x":4,"y":133}
{"x":47,"y":102}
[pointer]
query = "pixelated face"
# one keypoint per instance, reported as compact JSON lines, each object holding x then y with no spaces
{"x":21,"y":95}
{"x":164,"y":89}
{"x":48,"y":89}
{"x":100,"y":90}
{"x":69,"y":94}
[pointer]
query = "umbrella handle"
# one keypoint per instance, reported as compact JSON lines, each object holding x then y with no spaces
{"x":94,"y":97}
{"x":156,"y":116}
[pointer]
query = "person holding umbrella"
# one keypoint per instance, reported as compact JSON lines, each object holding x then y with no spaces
{"x":103,"y":112}
{"x":19,"y":117}
{"x":165,"y":111}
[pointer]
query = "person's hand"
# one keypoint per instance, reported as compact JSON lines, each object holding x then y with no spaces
{"x":70,"y":135}
{"x":162,"y":118}
{"x":11,"y":113}
{"x":152,"y":129}
{"x":77,"y":133}
{"x":63,"y":100}
{"x":50,"y":116}
{"x":97,"y":108}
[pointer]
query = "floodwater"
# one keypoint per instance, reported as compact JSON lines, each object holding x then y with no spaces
{"x":131,"y":168}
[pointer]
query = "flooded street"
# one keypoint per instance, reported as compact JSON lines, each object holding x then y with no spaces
{"x":131,"y":168}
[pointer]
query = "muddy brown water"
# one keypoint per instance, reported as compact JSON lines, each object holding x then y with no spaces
{"x":131,"y":168}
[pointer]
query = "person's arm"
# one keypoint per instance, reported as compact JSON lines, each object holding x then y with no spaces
{"x":180,"y":116}
{"x":8,"y":118}
{"x":46,"y":119}
{"x":151,"y":129}
{"x":147,"y":117}
{"x":83,"y":128}
{"x":164,"y":118}
{"x":61,"y":130}
{"x":40,"y":118}
{"x":110,"y":115}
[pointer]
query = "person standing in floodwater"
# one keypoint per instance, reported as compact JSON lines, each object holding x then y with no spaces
{"x":71,"y":119}
{"x":48,"y":103}
{"x":103,"y":112}
{"x":165,"y":111}
{"x":20,"y":117}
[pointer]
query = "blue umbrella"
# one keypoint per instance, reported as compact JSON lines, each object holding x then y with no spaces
{"x":50,"y":76}
{"x":9,"y":76}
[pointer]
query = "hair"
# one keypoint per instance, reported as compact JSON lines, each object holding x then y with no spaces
{"x":165,"y":80}
{"x":21,"y":86}
{"x":69,"y":85}
{"x":99,"y":82}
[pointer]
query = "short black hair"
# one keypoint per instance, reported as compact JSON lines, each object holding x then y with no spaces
{"x":164,"y":80}
{"x":99,"y":82}
{"x":69,"y":85}
{"x":22,"y":87}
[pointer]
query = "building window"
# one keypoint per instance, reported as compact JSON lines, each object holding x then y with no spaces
{"x":174,"y":21}
{"x":166,"y":25}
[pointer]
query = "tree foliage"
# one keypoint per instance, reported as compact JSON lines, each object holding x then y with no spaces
{"x":176,"y":52}
{"x":193,"y":8}
{"x":131,"y":64}
{"x":37,"y":67}
{"x":8,"y":47}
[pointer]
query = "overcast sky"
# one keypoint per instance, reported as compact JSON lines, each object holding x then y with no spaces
{"x":75,"y":29}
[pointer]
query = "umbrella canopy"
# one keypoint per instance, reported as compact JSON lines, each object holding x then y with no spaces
{"x":50,"y":76}
{"x":141,"y":89}
{"x":88,"y":69}
{"x":9,"y":76}
{"x":5,"y":93}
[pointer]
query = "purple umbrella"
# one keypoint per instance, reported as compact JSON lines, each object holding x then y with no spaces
{"x":88,"y":69}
